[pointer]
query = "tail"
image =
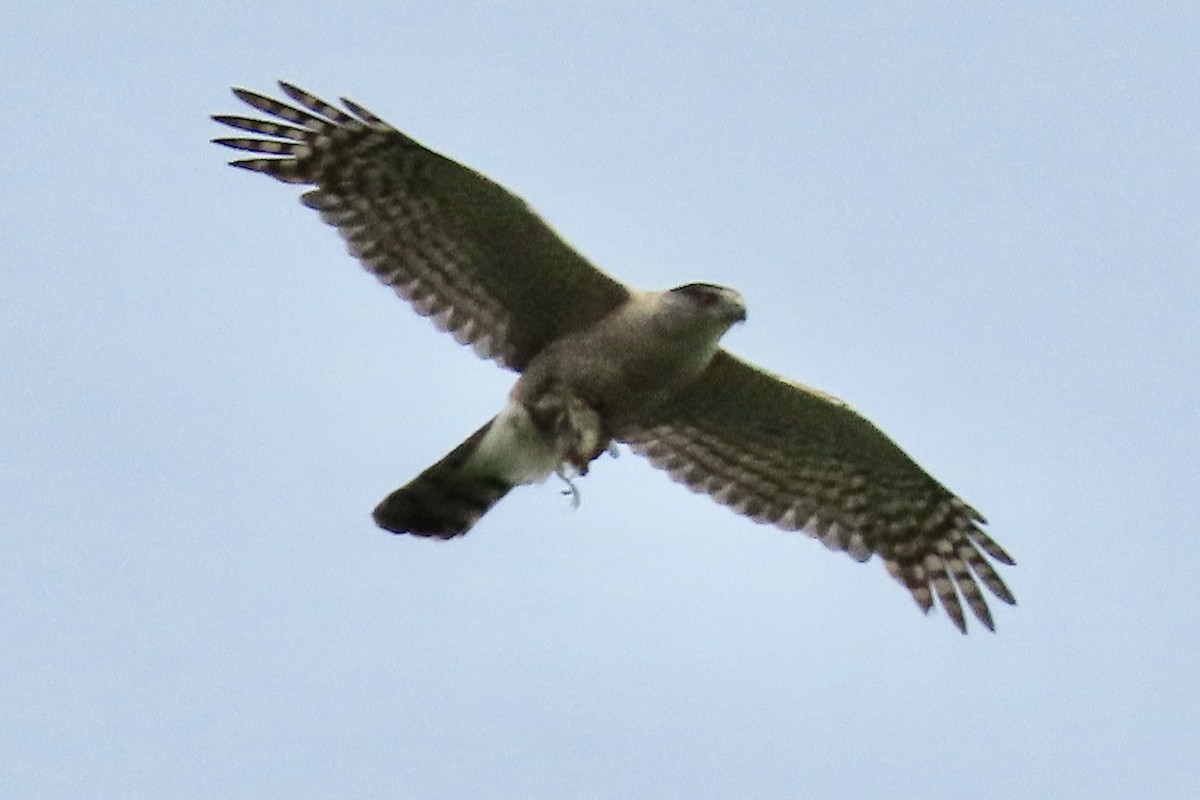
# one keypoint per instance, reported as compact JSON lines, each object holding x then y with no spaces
{"x":445,"y":500}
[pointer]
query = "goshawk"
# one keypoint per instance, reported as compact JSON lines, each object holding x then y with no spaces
{"x":600,"y":363}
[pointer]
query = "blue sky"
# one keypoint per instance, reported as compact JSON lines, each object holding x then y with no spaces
{"x":979,"y":226}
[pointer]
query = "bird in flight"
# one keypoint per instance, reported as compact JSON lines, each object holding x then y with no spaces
{"x":601,"y":363}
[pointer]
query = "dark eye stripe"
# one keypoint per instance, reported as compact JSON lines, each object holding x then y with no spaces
{"x":703,"y":294}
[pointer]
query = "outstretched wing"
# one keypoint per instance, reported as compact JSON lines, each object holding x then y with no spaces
{"x":784,"y":454}
{"x":459,"y":247}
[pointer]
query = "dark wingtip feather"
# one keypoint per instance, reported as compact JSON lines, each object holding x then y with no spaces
{"x":992,"y":549}
{"x":360,"y":112}
{"x":984,"y":615}
{"x":316,"y":104}
{"x":270,"y":146}
{"x":265,"y":127}
{"x":281,"y":169}
{"x":954,"y":611}
{"x":271,"y":106}
{"x":253,"y":164}
{"x":252,"y":98}
{"x":1005,"y":595}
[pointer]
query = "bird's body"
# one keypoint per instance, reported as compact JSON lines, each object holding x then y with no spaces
{"x":601,"y":363}
{"x":572,"y":399}
{"x":644,"y":351}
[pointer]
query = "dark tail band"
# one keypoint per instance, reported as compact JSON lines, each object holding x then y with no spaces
{"x":443,"y":501}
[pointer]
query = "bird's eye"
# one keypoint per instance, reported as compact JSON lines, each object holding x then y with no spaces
{"x":706,"y":300}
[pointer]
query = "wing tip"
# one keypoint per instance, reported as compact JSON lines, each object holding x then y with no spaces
{"x":248,"y":96}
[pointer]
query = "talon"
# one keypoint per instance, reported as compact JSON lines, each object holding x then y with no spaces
{"x":572,"y":490}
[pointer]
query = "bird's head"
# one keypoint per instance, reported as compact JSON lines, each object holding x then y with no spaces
{"x":718,"y":304}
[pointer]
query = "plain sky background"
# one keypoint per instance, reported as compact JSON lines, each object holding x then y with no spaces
{"x":976,"y":223}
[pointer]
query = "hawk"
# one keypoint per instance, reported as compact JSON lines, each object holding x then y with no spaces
{"x":600,"y":363}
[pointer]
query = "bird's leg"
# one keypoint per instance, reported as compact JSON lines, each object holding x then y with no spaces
{"x":572,"y":424}
{"x":584,"y":435}
{"x":572,"y":490}
{"x":576,"y":430}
